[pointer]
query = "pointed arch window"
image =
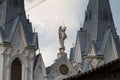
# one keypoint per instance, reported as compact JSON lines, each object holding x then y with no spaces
{"x":16,"y":70}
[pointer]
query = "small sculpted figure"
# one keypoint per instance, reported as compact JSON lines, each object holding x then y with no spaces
{"x":62,"y":36}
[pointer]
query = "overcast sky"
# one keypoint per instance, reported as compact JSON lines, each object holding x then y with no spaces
{"x":50,"y":14}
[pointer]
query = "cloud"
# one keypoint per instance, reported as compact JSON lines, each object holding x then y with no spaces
{"x":116,"y":12}
{"x":46,"y":19}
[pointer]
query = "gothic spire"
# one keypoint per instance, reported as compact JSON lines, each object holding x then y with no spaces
{"x":12,"y":16}
{"x":9,"y":10}
{"x":98,"y":19}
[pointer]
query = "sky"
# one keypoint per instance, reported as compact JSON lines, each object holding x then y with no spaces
{"x":50,"y":14}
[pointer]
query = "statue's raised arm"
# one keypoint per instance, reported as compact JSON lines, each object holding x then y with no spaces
{"x":62,"y":36}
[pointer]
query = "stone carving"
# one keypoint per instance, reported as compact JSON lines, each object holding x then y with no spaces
{"x":62,"y":36}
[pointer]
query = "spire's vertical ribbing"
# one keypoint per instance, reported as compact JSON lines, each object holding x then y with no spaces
{"x":98,"y":19}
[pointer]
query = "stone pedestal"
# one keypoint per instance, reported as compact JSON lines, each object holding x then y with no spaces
{"x":61,"y":53}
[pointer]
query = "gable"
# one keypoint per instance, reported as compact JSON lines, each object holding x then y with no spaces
{"x":92,"y":51}
{"x":77,"y":55}
{"x":56,"y":69}
{"x":82,"y":41}
{"x":29,"y":37}
{"x":39,"y":68}
{"x":110,"y":51}
{"x":19,"y":41}
{"x":38,"y":75}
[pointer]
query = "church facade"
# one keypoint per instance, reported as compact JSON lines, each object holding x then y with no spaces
{"x":97,"y":45}
{"x":18,"y":44}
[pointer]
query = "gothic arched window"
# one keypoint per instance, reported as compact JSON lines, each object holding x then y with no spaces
{"x":16,"y":70}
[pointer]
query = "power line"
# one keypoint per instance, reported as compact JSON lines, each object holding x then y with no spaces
{"x":35,"y":5}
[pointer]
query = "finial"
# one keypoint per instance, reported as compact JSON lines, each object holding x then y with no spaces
{"x":81,"y":25}
{"x":73,"y":45}
{"x":39,"y":51}
{"x":28,"y":17}
{"x":34,"y":30}
{"x":81,"y":28}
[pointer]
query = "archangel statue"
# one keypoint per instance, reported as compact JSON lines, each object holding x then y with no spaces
{"x":62,"y":36}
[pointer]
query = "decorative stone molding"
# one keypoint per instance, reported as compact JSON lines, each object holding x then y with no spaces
{"x":3,"y":51}
{"x":26,"y":68}
{"x":8,"y":66}
{"x":18,"y":51}
{"x":9,"y":55}
{"x":22,"y":51}
{"x":26,"y":53}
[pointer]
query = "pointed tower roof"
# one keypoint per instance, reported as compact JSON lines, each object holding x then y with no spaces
{"x":72,"y":54}
{"x":98,"y":19}
{"x":12,"y":13}
{"x":10,"y":9}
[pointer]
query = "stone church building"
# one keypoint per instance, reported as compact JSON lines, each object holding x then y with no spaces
{"x":18,"y":44}
{"x":97,"y":45}
{"x":97,"y":42}
{"x":97,"y":50}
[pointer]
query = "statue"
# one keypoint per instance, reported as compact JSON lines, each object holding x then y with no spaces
{"x":62,"y":36}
